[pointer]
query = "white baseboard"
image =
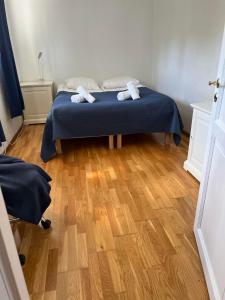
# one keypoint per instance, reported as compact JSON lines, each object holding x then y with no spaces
{"x":35,"y":121}
{"x":4,"y":147}
{"x":6,"y":144}
{"x":188,"y":166}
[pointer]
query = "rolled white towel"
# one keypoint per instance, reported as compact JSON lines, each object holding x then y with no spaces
{"x":133,"y":90}
{"x":123,"y":96}
{"x":84,"y":93}
{"x":77,"y":98}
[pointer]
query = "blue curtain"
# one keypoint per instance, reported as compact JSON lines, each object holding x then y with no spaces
{"x":9,"y":77}
{"x":2,"y":136}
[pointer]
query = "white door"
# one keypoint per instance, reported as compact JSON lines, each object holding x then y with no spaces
{"x":12,"y":283}
{"x":210,"y":218}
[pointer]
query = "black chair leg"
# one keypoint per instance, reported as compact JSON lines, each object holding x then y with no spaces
{"x":46,"y":224}
{"x":22,"y":259}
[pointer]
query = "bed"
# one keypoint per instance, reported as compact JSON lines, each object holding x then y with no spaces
{"x":154,"y":112}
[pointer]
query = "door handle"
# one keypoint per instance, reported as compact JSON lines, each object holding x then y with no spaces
{"x":216,"y":83}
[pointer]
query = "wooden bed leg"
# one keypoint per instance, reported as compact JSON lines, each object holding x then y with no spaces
{"x":167,"y":138}
{"x":111,"y":142}
{"x":58,"y":146}
{"x":119,"y":141}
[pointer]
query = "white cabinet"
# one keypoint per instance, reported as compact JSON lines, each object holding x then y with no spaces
{"x":38,"y":100}
{"x":198,"y":138}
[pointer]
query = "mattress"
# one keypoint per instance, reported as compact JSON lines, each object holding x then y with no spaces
{"x":154,"y":112}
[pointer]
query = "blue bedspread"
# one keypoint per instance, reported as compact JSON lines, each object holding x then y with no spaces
{"x":25,"y":188}
{"x":154,"y":112}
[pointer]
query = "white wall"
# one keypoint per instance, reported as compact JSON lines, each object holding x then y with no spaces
{"x":187,"y":40}
{"x":171,"y":45}
{"x":83,"y":37}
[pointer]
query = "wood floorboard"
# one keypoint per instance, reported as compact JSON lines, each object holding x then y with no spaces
{"x":122,"y":222}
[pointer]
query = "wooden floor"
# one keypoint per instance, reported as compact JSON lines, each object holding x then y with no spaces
{"x":121,"y":222}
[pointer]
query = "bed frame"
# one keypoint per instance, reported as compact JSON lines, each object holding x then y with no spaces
{"x":167,"y":141}
{"x":119,"y":141}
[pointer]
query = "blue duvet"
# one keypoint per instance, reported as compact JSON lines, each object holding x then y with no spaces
{"x":25,"y":188}
{"x":154,"y":112}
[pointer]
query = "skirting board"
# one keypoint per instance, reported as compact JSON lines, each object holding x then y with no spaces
{"x":6,"y":144}
{"x":189,"y":167}
{"x":35,"y":121}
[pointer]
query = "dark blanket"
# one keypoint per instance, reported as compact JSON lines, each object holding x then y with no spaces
{"x":154,"y":112}
{"x":25,"y":189}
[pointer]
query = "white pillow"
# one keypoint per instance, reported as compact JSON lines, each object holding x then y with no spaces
{"x":118,"y":82}
{"x":87,"y":83}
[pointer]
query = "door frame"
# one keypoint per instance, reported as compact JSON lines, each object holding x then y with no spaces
{"x":11,"y":274}
{"x":207,"y":267}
